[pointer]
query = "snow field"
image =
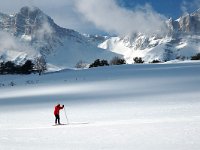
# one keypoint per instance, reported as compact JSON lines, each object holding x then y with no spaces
{"x":142,"y":107}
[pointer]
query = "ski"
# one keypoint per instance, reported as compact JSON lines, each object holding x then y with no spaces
{"x":59,"y":124}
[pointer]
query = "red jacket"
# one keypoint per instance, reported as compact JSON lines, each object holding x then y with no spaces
{"x":57,"y":109}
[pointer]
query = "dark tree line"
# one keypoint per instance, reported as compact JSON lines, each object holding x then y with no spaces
{"x":11,"y":68}
{"x":28,"y":67}
{"x":114,"y":61}
{"x":138,"y":60}
{"x":98,"y":63}
{"x":117,"y":61}
{"x":196,"y":57}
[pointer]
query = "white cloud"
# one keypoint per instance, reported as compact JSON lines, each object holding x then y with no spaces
{"x":189,"y":6}
{"x":107,"y":15}
{"x":8,"y":42}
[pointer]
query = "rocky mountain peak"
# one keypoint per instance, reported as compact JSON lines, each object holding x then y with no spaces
{"x":34,"y":27}
{"x":26,"y":10}
{"x":189,"y":23}
{"x":31,"y":19}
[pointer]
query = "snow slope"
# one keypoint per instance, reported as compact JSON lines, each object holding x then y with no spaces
{"x":71,"y":52}
{"x":151,"y":48}
{"x":141,"y":107}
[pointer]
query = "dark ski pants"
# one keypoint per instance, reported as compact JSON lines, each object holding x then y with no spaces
{"x":57,"y":119}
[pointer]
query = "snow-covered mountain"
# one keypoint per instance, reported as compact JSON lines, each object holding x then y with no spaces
{"x":181,"y":41}
{"x":33,"y":31}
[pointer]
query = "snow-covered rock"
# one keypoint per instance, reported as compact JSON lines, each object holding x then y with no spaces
{"x":181,"y":41}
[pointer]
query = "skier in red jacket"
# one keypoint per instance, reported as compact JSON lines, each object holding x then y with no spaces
{"x":56,"y":113}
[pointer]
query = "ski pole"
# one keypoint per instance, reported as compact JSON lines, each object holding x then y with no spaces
{"x":66,"y":116}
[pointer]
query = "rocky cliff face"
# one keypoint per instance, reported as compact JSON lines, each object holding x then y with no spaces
{"x":60,"y":46}
{"x":189,"y":24}
{"x":36,"y":28}
{"x":28,"y":21}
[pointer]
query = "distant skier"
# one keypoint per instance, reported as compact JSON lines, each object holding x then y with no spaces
{"x":56,"y":113}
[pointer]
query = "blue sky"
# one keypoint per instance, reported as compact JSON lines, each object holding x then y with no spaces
{"x":169,"y":8}
{"x":106,"y":16}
